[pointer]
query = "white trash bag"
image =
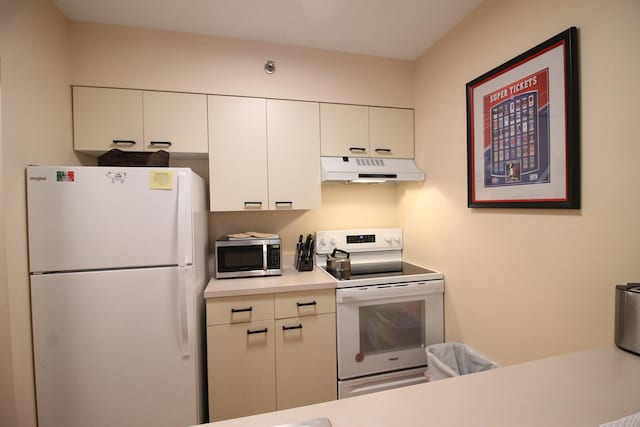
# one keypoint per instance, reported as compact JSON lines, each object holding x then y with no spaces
{"x":448,"y":360}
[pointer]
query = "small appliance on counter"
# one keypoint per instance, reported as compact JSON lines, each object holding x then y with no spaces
{"x":248,"y":254}
{"x":627,"y":324}
{"x":303,"y":260}
{"x":339,"y":264}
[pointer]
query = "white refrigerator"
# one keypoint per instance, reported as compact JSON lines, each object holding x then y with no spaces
{"x":117,"y":261}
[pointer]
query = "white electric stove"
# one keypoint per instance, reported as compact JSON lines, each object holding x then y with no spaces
{"x":387,"y":311}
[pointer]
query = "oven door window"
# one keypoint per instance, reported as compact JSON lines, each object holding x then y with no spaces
{"x":240,"y":258}
{"x":391,"y":327}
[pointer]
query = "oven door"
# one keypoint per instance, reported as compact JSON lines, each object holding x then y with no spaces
{"x":387,"y":327}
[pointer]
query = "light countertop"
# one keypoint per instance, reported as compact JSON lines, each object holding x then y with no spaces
{"x":586,"y":388}
{"x":291,"y":280}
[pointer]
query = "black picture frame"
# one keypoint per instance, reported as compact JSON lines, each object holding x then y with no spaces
{"x":523,"y":141}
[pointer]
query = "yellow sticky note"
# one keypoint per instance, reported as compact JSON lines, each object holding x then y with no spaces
{"x":162,"y":180}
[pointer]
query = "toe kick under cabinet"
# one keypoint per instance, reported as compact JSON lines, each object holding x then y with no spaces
{"x":270,"y":352}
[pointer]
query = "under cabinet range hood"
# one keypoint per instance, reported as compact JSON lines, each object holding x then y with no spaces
{"x":368,"y":169}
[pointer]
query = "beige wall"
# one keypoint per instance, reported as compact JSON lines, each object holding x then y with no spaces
{"x":522,"y":284}
{"x":105,"y":55}
{"x":36,"y":128}
{"x":7,"y":395}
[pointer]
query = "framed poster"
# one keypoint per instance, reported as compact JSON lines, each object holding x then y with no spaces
{"x":523,"y":130}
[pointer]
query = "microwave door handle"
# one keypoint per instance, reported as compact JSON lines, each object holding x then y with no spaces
{"x":265,"y":250}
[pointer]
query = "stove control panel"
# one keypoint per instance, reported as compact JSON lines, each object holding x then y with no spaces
{"x":359,"y":240}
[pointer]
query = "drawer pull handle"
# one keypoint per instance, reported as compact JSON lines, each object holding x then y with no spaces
{"x":303,"y":304}
{"x":288,"y":328}
{"x":257,"y":331}
{"x":241,"y":310}
{"x":290,"y":204}
{"x":383,"y":150}
{"x":167,"y":143}
{"x":124,"y":141}
{"x":252,"y":204}
{"x":357,"y":149}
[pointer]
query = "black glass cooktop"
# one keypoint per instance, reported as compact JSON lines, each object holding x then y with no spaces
{"x":387,"y":269}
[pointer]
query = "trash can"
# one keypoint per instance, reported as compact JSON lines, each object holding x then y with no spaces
{"x":448,"y":360}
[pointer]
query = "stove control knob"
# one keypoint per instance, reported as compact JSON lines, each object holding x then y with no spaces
{"x":332,"y":241}
{"x":323,"y":241}
{"x":396,"y":239}
{"x":387,"y":239}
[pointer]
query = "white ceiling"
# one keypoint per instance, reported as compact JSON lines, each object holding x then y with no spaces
{"x":401,"y":29}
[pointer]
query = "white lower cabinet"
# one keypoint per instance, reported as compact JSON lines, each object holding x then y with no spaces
{"x":273,"y":352}
{"x":305,"y":364}
{"x":242,"y":380}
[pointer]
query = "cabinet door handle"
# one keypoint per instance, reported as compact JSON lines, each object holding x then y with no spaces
{"x":167,"y":143}
{"x":303,"y":304}
{"x":382,"y":150}
{"x":241,"y":310}
{"x":357,"y":149}
{"x":252,"y":204}
{"x":124,"y":141}
{"x":290,"y":204}
{"x":288,"y":328}
{"x":257,"y":331}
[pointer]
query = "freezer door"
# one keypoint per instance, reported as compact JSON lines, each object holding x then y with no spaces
{"x":109,"y":349}
{"x":86,"y":218}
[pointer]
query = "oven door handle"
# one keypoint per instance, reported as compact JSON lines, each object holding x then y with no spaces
{"x":370,"y":293}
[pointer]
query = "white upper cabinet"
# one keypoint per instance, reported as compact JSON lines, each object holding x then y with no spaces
{"x":361,"y":131}
{"x":136,"y":120}
{"x":107,"y":118}
{"x":293,"y":141}
{"x":237,"y":153}
{"x":175,"y":122}
{"x":391,"y":132}
{"x":344,"y":130}
{"x":263,"y":154}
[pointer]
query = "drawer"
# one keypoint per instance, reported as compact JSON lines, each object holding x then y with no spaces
{"x":227,"y":310}
{"x":306,"y":303}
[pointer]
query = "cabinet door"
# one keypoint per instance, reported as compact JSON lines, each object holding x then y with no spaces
{"x":237,"y":153}
{"x":241,"y":369}
{"x":306,"y":360}
{"x":239,"y":309}
{"x":293,"y":140}
{"x":107,"y":118}
{"x":391,"y":132}
{"x":304,"y":303}
{"x":175,"y":122}
{"x":344,"y":130}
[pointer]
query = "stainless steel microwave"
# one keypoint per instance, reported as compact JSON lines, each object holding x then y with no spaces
{"x":248,"y":257}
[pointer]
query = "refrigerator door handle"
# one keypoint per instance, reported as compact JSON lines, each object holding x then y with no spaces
{"x":185,"y":330}
{"x":182,"y":220}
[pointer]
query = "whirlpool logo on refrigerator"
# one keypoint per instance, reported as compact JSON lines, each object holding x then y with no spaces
{"x":61,"y":176}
